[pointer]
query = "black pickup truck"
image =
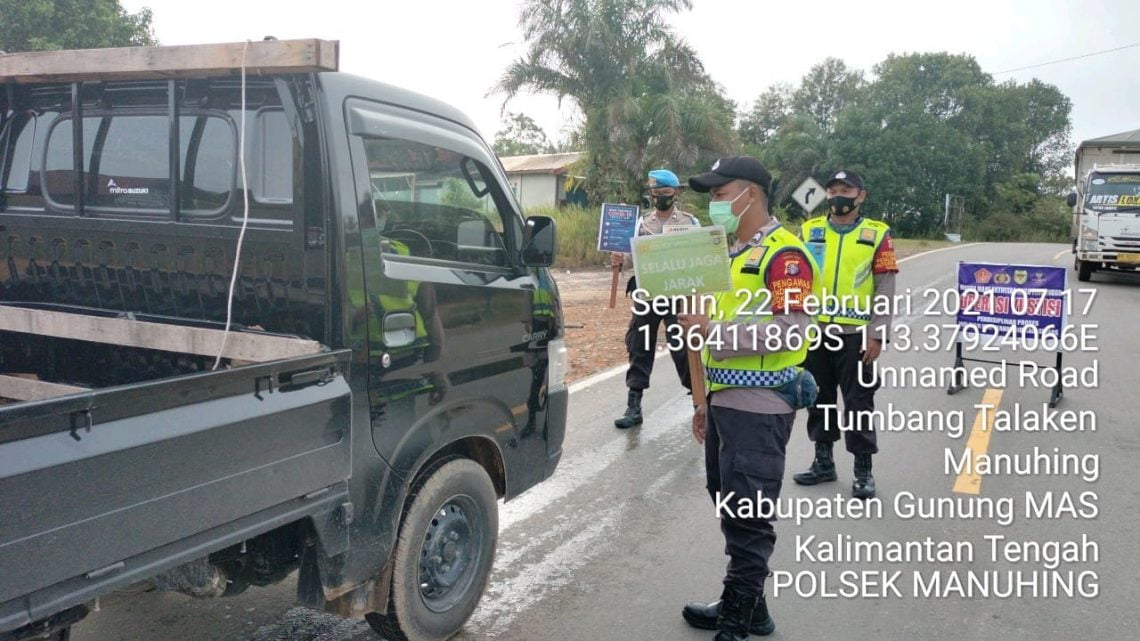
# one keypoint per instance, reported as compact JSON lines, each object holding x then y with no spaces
{"x":347,"y":404}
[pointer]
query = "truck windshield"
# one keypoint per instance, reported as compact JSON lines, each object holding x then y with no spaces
{"x":1113,"y":192}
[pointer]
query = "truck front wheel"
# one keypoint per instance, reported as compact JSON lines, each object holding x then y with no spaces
{"x":1084,"y":270}
{"x":443,"y":556}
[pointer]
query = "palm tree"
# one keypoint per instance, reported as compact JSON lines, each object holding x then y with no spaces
{"x":643,"y":92}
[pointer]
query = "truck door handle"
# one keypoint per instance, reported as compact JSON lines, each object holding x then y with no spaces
{"x":399,"y":329}
{"x":305,"y":378}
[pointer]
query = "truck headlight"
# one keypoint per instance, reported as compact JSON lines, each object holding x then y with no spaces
{"x":558,"y":363}
{"x":1088,"y":245}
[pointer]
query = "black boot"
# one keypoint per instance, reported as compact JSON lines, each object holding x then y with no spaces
{"x":703,"y":616}
{"x":822,"y":468}
{"x":863,"y":487}
{"x":735,"y":617}
{"x":632,"y":416}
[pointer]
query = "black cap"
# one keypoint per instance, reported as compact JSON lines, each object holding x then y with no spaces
{"x":730,"y":168}
{"x":846,"y":177}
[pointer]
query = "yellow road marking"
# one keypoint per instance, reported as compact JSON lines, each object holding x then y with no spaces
{"x":1062,"y":253}
{"x":978,"y":443}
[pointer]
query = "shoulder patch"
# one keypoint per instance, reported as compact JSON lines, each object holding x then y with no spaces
{"x":755,"y":255}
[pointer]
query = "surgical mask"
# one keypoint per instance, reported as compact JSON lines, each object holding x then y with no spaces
{"x":663,"y":203}
{"x":841,"y":205}
{"x":720,"y":213}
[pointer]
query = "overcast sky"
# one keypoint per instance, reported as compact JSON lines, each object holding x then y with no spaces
{"x":455,"y":50}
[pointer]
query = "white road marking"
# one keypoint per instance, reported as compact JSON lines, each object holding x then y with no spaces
{"x":505,"y":600}
{"x":585,"y":466}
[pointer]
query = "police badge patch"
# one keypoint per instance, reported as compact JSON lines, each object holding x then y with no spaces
{"x":867,"y":236}
{"x":816,"y":235}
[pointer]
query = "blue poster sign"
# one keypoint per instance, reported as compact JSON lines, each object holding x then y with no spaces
{"x":1001,"y":297}
{"x":617,"y":227}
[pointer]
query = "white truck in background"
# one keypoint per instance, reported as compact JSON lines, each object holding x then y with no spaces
{"x":1106,"y":205}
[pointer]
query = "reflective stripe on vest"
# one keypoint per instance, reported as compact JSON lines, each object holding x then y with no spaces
{"x":845,"y":261}
{"x":749,"y":269}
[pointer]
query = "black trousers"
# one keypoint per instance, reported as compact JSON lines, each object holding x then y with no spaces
{"x":642,"y":350}
{"x":841,"y":367}
{"x":744,"y":455}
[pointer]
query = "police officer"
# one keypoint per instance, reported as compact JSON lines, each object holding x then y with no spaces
{"x":641,"y":337}
{"x":745,"y":423}
{"x":857,"y":264}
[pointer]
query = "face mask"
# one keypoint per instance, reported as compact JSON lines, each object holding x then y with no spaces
{"x":663,"y":203}
{"x":720,"y":213}
{"x":840,"y":205}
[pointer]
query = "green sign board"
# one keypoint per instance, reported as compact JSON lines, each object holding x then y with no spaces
{"x":683,"y":263}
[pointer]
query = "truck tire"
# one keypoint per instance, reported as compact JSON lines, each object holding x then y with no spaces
{"x":1084,"y":270}
{"x":443,"y":556}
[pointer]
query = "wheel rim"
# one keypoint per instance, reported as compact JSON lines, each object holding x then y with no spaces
{"x":450,"y":553}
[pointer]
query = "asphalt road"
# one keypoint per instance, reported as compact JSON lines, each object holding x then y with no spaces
{"x":624,"y":534}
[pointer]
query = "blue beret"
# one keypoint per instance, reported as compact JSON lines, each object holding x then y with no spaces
{"x":663,"y":178}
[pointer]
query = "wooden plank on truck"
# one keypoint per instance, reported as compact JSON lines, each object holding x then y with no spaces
{"x":156,"y":63}
{"x":242,"y":346}
{"x":20,"y":388}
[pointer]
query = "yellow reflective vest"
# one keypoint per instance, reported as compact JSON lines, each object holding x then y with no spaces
{"x":751,"y":299}
{"x":845,"y":261}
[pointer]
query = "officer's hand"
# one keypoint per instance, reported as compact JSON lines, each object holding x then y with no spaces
{"x":874,"y":348}
{"x":694,"y":320}
{"x":616,"y":259}
{"x":699,"y":415}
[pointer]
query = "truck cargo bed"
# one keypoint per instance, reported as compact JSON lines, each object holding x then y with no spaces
{"x":93,"y":482}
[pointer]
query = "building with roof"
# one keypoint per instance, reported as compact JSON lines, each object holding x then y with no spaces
{"x":540,"y":180}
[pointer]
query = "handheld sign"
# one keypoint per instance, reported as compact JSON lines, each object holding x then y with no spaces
{"x":617,"y":226}
{"x":685,"y":263}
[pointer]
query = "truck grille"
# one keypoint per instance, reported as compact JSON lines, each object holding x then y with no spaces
{"x":1121,"y":242}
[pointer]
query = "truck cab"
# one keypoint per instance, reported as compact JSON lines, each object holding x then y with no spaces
{"x":1107,"y":220}
{"x":261,"y":319}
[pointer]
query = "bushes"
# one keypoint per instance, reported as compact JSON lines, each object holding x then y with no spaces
{"x":1048,"y":220}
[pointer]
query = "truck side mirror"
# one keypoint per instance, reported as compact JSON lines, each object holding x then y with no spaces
{"x":1071,"y":199}
{"x":539,"y":242}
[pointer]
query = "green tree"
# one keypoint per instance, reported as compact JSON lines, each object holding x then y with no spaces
{"x":41,"y":25}
{"x":824,"y":91}
{"x":768,"y":113}
{"x":521,"y":137}
{"x":644,"y":95}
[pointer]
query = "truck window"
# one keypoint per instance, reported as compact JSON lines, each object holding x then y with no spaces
{"x":424,"y":199}
{"x":271,"y":180}
{"x":1114,"y":191}
{"x":126,"y":162}
{"x":208,"y":148}
{"x":16,"y":149}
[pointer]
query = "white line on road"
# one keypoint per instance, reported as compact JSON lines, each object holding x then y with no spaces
{"x":935,"y":251}
{"x":505,"y":600}
{"x":586,"y":465}
{"x":1062,"y":253}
